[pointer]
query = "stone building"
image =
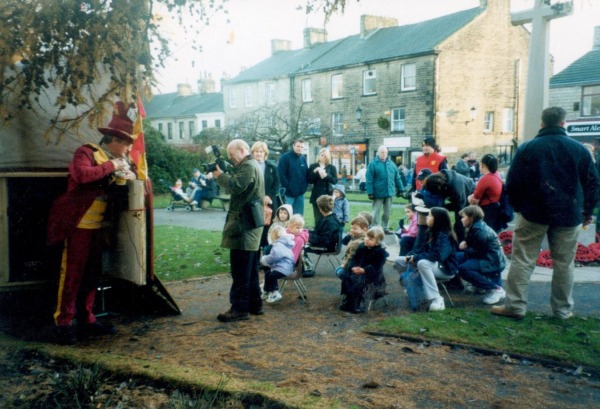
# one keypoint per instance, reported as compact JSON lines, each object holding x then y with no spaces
{"x":181,"y":115}
{"x":577,"y":90}
{"x":459,"y":78}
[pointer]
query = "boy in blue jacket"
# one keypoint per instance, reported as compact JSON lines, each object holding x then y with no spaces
{"x":341,"y":207}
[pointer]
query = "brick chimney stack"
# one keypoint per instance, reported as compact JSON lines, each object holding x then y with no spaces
{"x":369,"y":24}
{"x":207,"y":84}
{"x":184,"y":90}
{"x":314,"y":36}
{"x":280,"y":45}
{"x":483,"y":4}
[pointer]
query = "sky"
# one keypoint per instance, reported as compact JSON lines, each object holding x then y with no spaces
{"x":252,"y":24}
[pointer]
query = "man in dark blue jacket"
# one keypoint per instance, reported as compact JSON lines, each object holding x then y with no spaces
{"x":553,"y":186}
{"x":292,"y":168}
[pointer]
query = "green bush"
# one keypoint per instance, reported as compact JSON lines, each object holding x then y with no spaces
{"x":167,"y":162}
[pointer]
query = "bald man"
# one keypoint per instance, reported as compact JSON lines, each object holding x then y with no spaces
{"x":242,"y":232}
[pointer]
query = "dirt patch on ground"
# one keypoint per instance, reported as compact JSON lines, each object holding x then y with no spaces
{"x":301,"y":351}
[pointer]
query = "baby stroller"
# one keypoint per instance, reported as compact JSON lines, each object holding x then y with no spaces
{"x":176,"y":199}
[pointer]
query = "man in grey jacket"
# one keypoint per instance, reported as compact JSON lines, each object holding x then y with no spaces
{"x":247,"y":187}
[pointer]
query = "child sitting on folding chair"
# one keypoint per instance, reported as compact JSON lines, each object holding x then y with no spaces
{"x":280,"y":262}
{"x":364,"y":276}
{"x":296,"y":228}
{"x":435,"y":258}
{"x":326,"y":235}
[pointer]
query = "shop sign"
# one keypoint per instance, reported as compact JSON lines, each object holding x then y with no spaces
{"x":583,"y":128}
{"x":400,"y":142}
{"x":359,"y":147}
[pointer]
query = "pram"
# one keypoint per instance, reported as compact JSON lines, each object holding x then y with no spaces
{"x":176,"y":199}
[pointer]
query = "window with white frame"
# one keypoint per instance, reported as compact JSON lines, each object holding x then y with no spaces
{"x":181,"y":129}
{"x":337,"y":86}
{"x":160,"y":128}
{"x":369,"y":82}
{"x":204,"y":125}
{"x":191,"y":128}
{"x":170,"y":130}
{"x":306,"y":90}
{"x":398,"y":120}
{"x":408,"y":80}
{"x":504,"y":154}
{"x":218,"y":123}
{"x":248,"y":96}
{"x":488,"y":122}
{"x":591,"y":101}
{"x":337,"y":123}
{"x":508,"y":115}
{"x":269,"y":122}
{"x":231,"y":98}
{"x":270,"y":94}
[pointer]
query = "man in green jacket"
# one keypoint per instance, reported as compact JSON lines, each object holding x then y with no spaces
{"x":247,"y":187}
{"x":383,"y":182}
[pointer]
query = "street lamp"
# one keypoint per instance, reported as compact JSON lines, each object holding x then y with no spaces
{"x":472,"y":115}
{"x":358,"y":118}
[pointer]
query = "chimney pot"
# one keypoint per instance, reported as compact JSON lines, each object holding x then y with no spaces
{"x":314,"y":36}
{"x":184,"y":90}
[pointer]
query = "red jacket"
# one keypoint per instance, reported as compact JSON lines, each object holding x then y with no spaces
{"x":431,"y":162}
{"x":86,"y":182}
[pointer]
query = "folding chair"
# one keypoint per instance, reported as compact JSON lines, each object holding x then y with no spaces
{"x":441,"y":281}
{"x":323,"y":252}
{"x":296,"y":278}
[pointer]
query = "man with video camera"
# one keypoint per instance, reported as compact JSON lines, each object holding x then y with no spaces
{"x":243,"y":228}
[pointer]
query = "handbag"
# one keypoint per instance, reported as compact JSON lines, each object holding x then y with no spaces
{"x":412,"y":281}
{"x":268,"y":215}
{"x":253,"y":216}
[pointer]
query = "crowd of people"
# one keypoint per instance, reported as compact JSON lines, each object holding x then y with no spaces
{"x":553,"y":186}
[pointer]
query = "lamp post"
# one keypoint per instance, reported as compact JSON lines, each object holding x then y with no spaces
{"x":472,"y":115}
{"x":364,"y":124}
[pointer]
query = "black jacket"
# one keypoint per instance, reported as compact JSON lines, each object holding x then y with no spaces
{"x":326,"y":233}
{"x":442,"y":250}
{"x":457,"y":190}
{"x":483,"y":245}
{"x":321,"y":186}
{"x":372,"y":261}
{"x":552,"y":180}
{"x":292,"y":173}
{"x":271,"y":182}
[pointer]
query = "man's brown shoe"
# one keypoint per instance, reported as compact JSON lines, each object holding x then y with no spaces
{"x":501,"y":310}
{"x":233,"y":315}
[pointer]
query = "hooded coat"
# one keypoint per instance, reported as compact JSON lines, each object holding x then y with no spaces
{"x":277,"y":222}
{"x":341,"y":207}
{"x":281,"y":258}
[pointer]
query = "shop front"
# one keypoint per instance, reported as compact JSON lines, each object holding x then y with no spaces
{"x":350,"y":156}
{"x":397,"y":147}
{"x":585,"y":131}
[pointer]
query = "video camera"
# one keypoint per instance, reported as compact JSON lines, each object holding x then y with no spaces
{"x":211,"y":167}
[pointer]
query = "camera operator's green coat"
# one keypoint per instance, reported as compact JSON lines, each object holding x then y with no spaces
{"x":245,"y":183}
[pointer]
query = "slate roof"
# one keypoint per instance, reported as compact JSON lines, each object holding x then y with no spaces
{"x":585,"y":70}
{"x":173,"y":106}
{"x":382,"y":44}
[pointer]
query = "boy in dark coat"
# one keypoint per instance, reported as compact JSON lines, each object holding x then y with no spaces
{"x":364,"y":276}
{"x":326,"y":232}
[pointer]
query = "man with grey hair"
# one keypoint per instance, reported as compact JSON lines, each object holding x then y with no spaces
{"x":383,"y":182}
{"x":242,"y":230}
{"x":553,"y":186}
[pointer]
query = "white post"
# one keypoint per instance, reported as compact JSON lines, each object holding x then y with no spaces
{"x":538,"y":70}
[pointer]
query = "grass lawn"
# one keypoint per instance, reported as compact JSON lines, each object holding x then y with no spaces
{"x":576,"y":340}
{"x":183,"y":252}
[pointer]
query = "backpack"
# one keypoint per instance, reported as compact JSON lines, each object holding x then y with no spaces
{"x":506,"y":213}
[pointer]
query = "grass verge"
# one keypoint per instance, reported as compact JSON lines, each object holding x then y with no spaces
{"x":162,"y":201}
{"x":184,"y":252}
{"x":576,"y":340}
{"x":172,"y":376}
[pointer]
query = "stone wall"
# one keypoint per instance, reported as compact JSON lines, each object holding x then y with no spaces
{"x":566,"y":97}
{"x":479,"y":67}
{"x":258,"y":90}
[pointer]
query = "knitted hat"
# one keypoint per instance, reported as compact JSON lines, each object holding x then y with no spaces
{"x":121,"y":124}
{"x":430,"y":141}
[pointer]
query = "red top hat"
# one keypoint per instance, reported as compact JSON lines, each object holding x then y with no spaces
{"x":120,"y":125}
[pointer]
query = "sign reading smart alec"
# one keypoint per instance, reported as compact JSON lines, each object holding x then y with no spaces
{"x":588,"y":128}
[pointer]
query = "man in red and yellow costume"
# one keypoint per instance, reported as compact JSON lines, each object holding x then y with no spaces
{"x":430,"y":159}
{"x":76,"y":218}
